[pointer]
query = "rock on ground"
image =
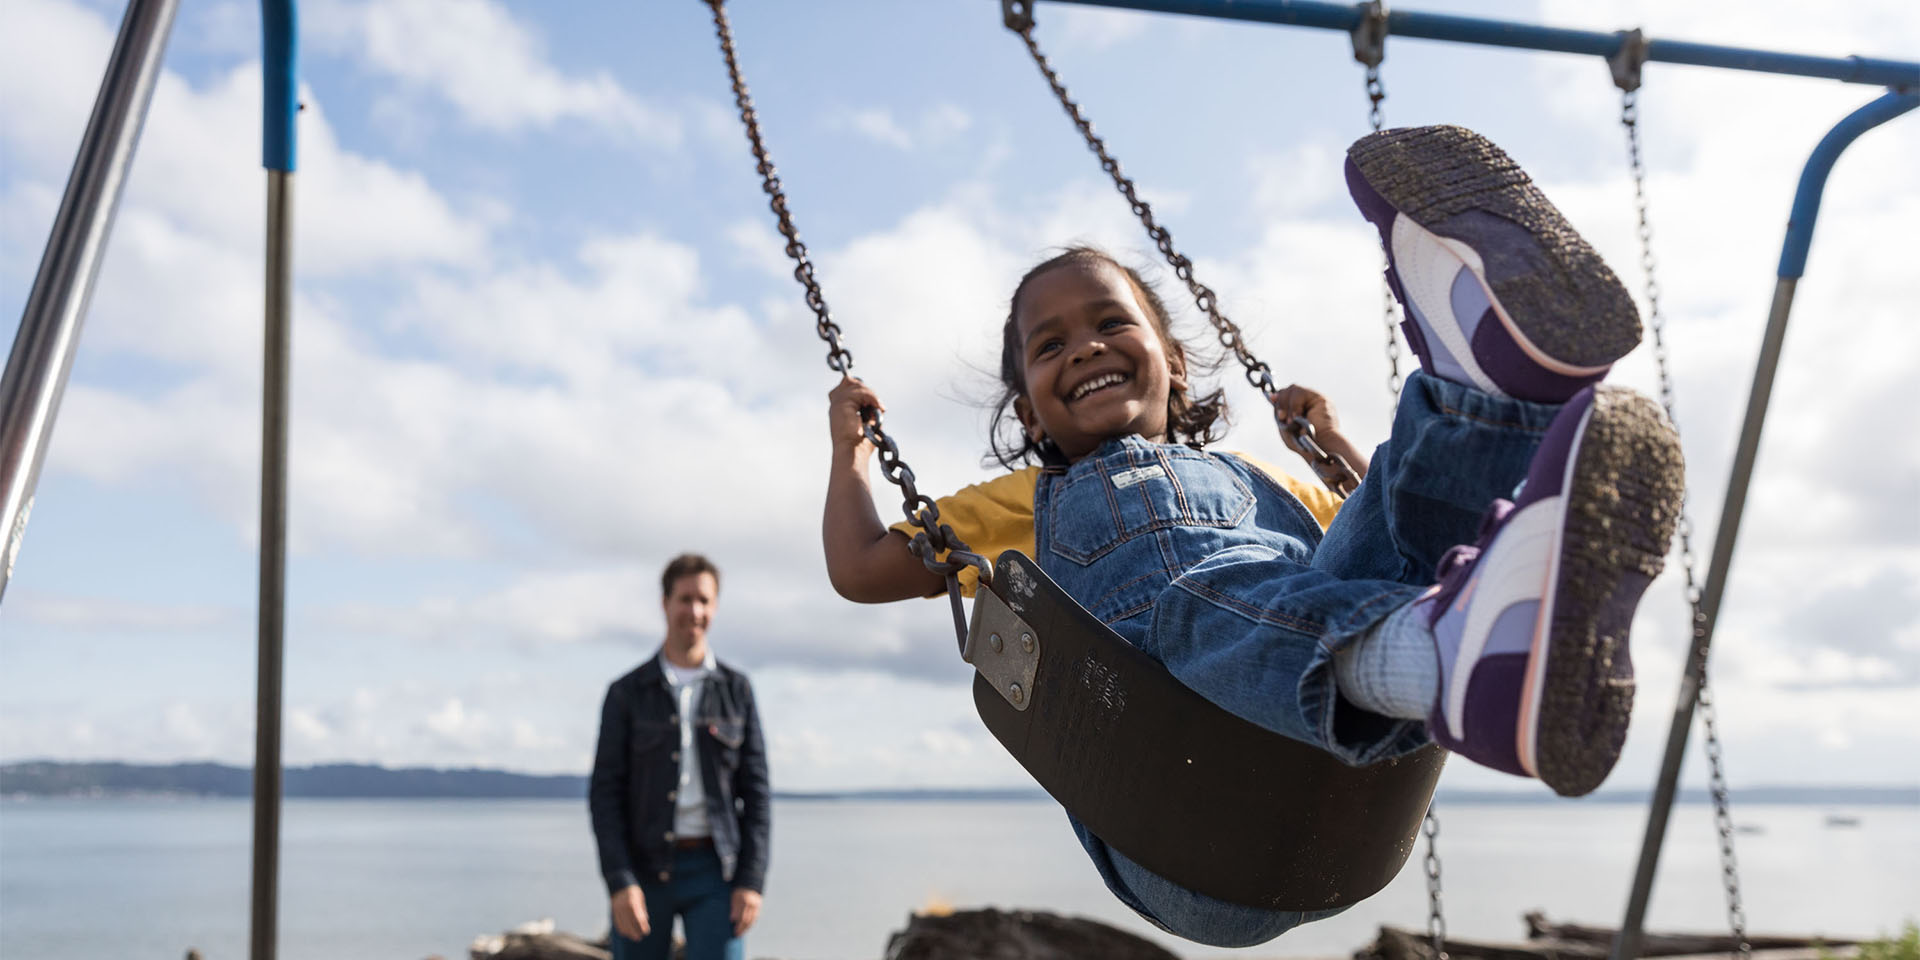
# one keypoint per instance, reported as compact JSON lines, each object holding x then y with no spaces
{"x":1016,"y":935}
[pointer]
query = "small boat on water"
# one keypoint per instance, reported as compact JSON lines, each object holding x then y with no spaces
{"x":1842,"y":820}
{"x":1749,"y":829}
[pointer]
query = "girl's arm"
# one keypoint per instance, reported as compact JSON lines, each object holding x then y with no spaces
{"x":866,"y":562}
{"x":1299,"y":401}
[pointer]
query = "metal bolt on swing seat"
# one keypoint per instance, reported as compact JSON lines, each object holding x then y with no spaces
{"x":1015,"y":693}
{"x":1026,"y":643}
{"x":994,"y":641}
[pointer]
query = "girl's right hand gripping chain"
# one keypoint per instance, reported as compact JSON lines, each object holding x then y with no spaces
{"x":866,"y":562}
{"x":844,"y":420}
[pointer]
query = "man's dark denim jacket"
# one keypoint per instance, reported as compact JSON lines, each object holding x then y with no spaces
{"x":636,"y":770}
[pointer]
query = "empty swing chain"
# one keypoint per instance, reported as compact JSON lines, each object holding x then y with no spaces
{"x":1716,"y":770}
{"x":1332,"y":469}
{"x":1369,"y":47}
{"x":1436,"y":922}
{"x":933,"y":537}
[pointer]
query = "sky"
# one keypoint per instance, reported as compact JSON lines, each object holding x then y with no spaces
{"x":545,"y":339}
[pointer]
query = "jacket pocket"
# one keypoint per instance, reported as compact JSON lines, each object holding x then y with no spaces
{"x":1095,"y":510}
{"x":729,"y":733}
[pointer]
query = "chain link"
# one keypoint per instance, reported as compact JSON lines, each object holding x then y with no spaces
{"x":1436,"y":921}
{"x":1333,"y":470}
{"x":933,"y":537}
{"x":1656,"y":323}
{"x":1377,"y":92}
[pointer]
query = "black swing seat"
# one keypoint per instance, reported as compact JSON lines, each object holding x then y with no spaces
{"x":1193,"y":793}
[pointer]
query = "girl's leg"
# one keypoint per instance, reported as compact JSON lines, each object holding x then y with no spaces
{"x":1452,"y":452}
{"x":1529,"y":621}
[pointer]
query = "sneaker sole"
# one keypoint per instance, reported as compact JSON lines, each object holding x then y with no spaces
{"x":1623,"y":492}
{"x":1551,"y":288}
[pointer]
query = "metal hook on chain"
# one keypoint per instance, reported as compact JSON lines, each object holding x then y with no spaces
{"x":1370,"y":34}
{"x":1627,"y":61}
{"x":1017,"y":15}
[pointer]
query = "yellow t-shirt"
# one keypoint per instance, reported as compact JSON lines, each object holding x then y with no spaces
{"x":997,"y":515}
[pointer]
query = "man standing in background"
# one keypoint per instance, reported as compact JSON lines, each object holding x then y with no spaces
{"x":679,"y":795}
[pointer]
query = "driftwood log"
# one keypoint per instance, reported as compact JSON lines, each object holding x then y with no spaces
{"x":1016,"y":935}
{"x":1550,"y":941}
{"x":1668,"y":944}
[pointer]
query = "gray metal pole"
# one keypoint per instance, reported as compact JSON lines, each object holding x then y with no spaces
{"x":36,"y":373}
{"x":1626,"y":944}
{"x":273,"y":565}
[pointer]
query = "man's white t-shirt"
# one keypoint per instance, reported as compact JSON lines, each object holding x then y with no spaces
{"x":690,"y":804}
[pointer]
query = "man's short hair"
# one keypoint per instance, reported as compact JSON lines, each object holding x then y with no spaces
{"x":686,"y":565}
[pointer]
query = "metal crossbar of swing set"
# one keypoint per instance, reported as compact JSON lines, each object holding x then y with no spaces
{"x":1903,"y":80}
{"x":1530,"y":36}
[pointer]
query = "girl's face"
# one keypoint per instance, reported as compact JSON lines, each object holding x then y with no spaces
{"x":1095,"y":366}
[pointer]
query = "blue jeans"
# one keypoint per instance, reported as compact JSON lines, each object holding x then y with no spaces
{"x":696,"y":892}
{"x":1216,"y":571}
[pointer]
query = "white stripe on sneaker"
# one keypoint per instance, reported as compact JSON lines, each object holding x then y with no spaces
{"x":1508,"y":572}
{"x":1527,"y":749}
{"x":1427,"y":266}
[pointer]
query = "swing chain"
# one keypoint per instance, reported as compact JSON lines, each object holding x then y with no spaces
{"x":1629,"y":81}
{"x":1370,"y":48}
{"x":1376,"y":92}
{"x":1436,"y":921}
{"x":1332,"y":469}
{"x":933,"y":537}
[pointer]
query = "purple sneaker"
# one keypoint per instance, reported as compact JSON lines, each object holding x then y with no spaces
{"x":1530,"y":623}
{"x":1500,"y":293}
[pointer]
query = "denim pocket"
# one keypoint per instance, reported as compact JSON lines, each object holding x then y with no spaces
{"x":729,"y":733}
{"x":1139,"y":491}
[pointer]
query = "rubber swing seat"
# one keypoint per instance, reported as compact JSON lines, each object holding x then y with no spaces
{"x":1180,"y":786}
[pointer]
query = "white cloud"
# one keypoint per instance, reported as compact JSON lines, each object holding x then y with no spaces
{"x":491,"y":67}
{"x":76,"y":614}
{"x":1089,"y":30}
{"x":937,"y":125}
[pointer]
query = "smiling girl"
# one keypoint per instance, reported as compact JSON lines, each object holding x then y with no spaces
{"x":1426,"y":608}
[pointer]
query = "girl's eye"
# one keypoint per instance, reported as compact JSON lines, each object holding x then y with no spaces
{"x":1045,"y":348}
{"x":1112,"y":322}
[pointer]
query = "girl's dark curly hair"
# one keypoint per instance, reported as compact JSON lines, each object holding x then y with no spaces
{"x":1195,"y":422}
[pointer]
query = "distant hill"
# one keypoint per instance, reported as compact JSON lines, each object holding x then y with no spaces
{"x":52,"y":778}
{"x":354,"y":780}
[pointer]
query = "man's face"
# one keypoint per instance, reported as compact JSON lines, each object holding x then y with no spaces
{"x":689,"y":606}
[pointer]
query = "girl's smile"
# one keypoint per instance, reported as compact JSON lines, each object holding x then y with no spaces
{"x":1095,"y":365}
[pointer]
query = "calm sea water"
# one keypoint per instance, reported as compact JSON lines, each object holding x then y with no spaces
{"x":403,"y":880}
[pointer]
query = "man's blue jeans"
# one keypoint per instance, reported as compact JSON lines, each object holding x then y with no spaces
{"x":1217,"y":572}
{"x":698,"y":893}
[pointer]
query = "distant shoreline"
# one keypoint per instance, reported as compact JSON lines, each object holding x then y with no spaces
{"x":344,"y":781}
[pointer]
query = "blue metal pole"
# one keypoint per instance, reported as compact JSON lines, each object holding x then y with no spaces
{"x":1508,"y":33}
{"x":1813,"y":179}
{"x":280,"y":30}
{"x":280,"y":56}
{"x":1793,"y":260}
